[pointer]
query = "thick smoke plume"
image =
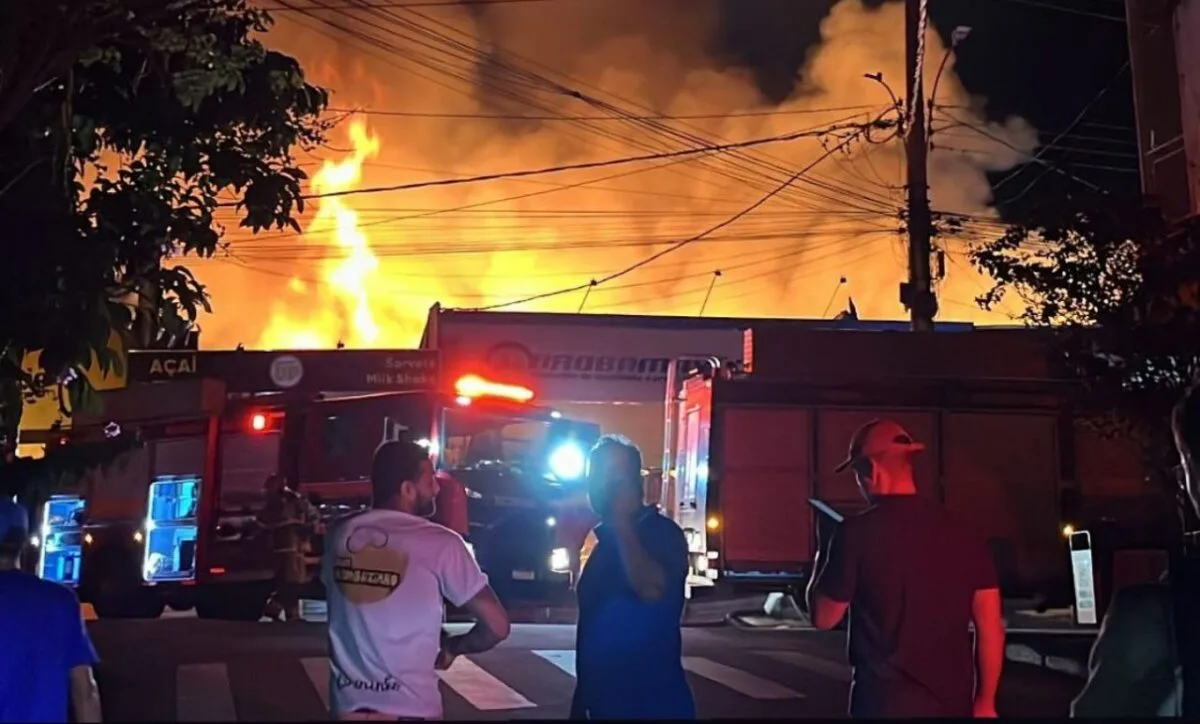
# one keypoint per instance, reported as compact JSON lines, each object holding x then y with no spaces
{"x":370,"y":265}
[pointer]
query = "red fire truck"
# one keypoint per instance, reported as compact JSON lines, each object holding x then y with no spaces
{"x":175,"y":523}
{"x":749,"y":447}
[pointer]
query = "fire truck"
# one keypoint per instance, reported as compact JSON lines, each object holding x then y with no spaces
{"x":175,"y":523}
{"x":750,"y":446}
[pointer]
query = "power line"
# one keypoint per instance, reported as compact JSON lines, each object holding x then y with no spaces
{"x":1071,"y":126}
{"x":504,"y":70}
{"x":512,"y":117}
{"x":1032,"y":159}
{"x":572,"y":167}
{"x":658,"y":255}
{"x":1070,"y":11}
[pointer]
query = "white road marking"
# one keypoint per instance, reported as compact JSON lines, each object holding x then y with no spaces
{"x":815,"y":664}
{"x":202,"y":693}
{"x":482,"y":690}
{"x":564,"y":660}
{"x":317,"y":670}
{"x":740,"y":681}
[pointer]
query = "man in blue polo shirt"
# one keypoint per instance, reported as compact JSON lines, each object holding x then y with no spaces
{"x":46,"y":657}
{"x":628,"y":643}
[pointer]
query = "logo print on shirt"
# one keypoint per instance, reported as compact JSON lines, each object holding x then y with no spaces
{"x":369,"y":571}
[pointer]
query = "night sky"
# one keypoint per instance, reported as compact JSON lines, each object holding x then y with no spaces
{"x":1042,"y":60}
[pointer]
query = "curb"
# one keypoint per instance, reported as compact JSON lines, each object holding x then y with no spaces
{"x":1023,"y":654}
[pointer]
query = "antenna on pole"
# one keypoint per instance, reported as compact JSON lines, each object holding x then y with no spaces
{"x":836,"y":287}
{"x":712,"y":283}
{"x":586,"y":292}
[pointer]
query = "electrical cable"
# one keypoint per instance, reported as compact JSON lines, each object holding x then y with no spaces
{"x":658,"y":255}
{"x":562,"y":168}
{"x":504,"y":117}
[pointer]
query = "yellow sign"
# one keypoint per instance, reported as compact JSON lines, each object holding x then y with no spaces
{"x":172,"y":366}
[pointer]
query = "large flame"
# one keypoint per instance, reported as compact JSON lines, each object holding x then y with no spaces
{"x":367,"y":267}
{"x":343,"y":313}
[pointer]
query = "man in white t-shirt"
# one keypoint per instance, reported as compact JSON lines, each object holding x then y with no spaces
{"x":386,"y":572}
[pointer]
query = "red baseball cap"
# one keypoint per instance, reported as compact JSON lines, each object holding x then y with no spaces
{"x":876,"y":438}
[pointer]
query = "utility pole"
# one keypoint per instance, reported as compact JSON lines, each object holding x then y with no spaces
{"x":917,"y":293}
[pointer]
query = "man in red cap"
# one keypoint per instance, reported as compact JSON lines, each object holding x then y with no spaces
{"x":913,"y":578}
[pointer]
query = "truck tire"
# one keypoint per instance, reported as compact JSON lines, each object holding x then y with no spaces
{"x":232,"y":603}
{"x":128,"y":602}
{"x":118,"y":591}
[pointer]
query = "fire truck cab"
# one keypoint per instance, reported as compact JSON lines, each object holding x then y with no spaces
{"x":176,"y":522}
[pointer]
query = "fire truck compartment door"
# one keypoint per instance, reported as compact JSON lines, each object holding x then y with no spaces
{"x":246,"y":461}
{"x":764,"y":487}
{"x":1002,"y":479}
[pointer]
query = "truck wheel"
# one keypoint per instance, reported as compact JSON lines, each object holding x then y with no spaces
{"x":117,"y":591}
{"x":232,"y":603}
{"x":113,"y":602}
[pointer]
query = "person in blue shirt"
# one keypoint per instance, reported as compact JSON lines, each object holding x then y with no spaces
{"x":629,"y":645}
{"x":46,"y":657}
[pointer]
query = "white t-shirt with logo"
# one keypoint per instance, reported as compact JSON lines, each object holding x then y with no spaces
{"x":386,"y":573}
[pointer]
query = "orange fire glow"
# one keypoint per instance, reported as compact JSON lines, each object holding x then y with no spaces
{"x":367,"y":267}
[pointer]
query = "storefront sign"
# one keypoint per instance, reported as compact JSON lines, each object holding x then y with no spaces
{"x":299,"y":371}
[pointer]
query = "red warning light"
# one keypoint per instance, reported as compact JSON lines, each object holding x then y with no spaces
{"x":473,"y":386}
{"x":258,"y":422}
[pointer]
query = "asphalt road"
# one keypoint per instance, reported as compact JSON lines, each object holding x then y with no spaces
{"x":185,"y":669}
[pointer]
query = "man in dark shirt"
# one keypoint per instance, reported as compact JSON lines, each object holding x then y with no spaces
{"x":1136,"y":668}
{"x":631,"y":592}
{"x":913,"y":579}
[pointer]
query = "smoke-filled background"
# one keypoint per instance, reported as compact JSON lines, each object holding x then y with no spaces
{"x":446,"y":92}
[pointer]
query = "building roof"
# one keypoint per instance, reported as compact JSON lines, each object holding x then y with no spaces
{"x":645,"y":321}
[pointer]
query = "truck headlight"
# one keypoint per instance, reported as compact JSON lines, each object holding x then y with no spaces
{"x":568,"y":462}
{"x":560,"y":560}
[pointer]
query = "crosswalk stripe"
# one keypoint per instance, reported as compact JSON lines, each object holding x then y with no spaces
{"x":738,"y":680}
{"x":202,"y":693}
{"x":317,"y":670}
{"x":482,"y":690}
{"x":815,"y":664}
{"x":564,"y":660}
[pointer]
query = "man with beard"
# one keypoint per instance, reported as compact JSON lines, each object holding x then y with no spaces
{"x":1143,"y":663}
{"x":386,"y":572}
{"x":628,"y":644}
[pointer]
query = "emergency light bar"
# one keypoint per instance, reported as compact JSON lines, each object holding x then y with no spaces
{"x":474,"y":386}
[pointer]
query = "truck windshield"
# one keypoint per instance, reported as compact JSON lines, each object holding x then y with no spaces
{"x":554,"y":451}
{"x":475,"y":441}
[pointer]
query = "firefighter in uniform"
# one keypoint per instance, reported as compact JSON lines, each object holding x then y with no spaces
{"x":290,"y":521}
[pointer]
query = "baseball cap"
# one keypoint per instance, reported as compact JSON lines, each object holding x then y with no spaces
{"x":13,"y":518}
{"x":878,"y":437}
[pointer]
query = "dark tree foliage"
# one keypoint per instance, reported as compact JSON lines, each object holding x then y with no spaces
{"x":1123,"y":298}
{"x":35,"y":480}
{"x":113,"y":163}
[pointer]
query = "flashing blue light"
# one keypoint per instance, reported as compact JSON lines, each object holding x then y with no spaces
{"x":568,"y":462}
